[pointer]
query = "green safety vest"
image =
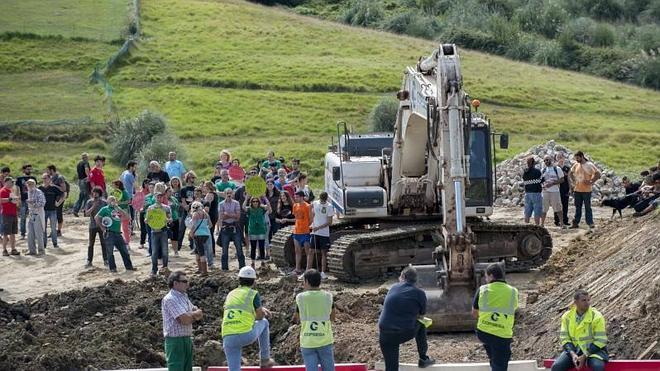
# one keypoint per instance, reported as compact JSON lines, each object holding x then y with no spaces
{"x":497,"y":307}
{"x":314,"y":308}
{"x":239,"y":314}
{"x":591,"y":330}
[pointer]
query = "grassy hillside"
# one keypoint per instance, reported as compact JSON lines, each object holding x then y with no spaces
{"x":99,"y":20}
{"x":231,"y":74}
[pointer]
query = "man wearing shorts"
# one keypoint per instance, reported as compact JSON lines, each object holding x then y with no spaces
{"x":322,"y":213}
{"x":532,"y":179}
{"x":9,"y":202}
{"x":302,"y":213}
{"x":553,"y":176}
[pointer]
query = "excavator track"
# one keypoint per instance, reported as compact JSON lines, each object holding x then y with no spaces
{"x":363,"y":253}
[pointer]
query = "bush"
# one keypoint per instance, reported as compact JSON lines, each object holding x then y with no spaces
{"x":365,"y":13}
{"x":130,"y":136}
{"x":647,"y":72}
{"x":549,"y":53}
{"x":157,"y":150}
{"x":471,"y":39}
{"x":523,"y":49}
{"x":413,"y":24}
{"x":545,"y":18}
{"x":383,"y":116}
{"x":602,"y":35}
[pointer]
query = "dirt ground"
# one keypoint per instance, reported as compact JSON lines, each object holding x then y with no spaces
{"x":55,"y":314}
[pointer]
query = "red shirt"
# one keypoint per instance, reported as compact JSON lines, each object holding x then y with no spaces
{"x":97,"y":178}
{"x":290,"y":188}
{"x":8,"y":208}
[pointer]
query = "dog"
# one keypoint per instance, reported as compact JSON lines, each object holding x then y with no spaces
{"x":618,"y":204}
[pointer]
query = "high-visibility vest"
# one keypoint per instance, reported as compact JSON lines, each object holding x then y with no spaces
{"x":239,"y":314}
{"x":314,"y":308}
{"x":591,"y":330}
{"x":497,"y":307}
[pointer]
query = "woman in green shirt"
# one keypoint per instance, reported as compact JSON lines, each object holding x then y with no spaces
{"x":257,"y":233}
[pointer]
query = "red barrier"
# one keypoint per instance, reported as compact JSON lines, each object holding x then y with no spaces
{"x":619,"y":365}
{"x":338,"y":367}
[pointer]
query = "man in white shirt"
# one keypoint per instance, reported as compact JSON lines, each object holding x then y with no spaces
{"x":322,"y":213}
{"x":552,"y":177}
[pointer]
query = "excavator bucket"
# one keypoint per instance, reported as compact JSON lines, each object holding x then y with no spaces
{"x":450,"y":309}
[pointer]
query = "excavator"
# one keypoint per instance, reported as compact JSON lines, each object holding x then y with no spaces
{"x":422,"y":196}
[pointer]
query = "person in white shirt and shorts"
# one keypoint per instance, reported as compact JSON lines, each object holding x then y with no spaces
{"x":552,"y":177}
{"x":322,"y":214}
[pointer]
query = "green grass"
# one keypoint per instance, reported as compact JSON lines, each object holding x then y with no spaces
{"x":93,"y":19}
{"x":47,"y":95}
{"x":232,"y":74}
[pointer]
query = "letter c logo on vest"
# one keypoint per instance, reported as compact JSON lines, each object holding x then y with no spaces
{"x":495,"y":316}
{"x":230,"y":314}
{"x":314,"y":326}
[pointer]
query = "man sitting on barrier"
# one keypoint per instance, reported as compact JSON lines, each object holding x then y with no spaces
{"x":582,"y":336}
{"x":244,"y":321}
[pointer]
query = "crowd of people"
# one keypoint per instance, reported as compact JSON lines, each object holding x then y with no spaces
{"x":557,"y":180}
{"x":168,"y":202}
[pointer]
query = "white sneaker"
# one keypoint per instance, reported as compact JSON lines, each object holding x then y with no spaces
{"x":324,"y":276}
{"x":301,"y":277}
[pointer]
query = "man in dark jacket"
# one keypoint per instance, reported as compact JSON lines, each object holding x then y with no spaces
{"x":564,"y":188}
{"x":404,"y":305}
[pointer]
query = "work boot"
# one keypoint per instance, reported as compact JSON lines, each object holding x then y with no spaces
{"x":423,"y":363}
{"x":574,"y":226}
{"x":5,"y":252}
{"x":268,"y":363}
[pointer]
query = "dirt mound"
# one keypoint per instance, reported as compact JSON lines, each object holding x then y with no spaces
{"x":618,"y":265}
{"x":119,"y":325}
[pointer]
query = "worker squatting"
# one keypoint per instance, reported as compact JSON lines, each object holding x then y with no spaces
{"x":245,"y":320}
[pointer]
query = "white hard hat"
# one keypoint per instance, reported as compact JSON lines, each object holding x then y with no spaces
{"x":247,"y":272}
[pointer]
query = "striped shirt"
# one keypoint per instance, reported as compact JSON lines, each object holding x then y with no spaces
{"x":174,"y":304}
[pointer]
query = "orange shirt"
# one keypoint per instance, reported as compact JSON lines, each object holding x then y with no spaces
{"x":302,"y":212}
{"x":583,"y":173}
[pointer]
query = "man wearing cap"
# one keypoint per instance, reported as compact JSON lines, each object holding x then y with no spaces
{"x":244,"y":321}
{"x":178,"y":315}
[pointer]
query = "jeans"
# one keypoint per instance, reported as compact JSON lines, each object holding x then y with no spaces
{"x":564,"y":362}
{"x":23,"y":215}
{"x":498,"y":350}
{"x":182,"y":227}
{"x":51,"y":217}
{"x":112,"y":240}
{"x":35,"y":232}
{"x":143,"y":229}
{"x":253,"y":249}
{"x":580,"y":199}
{"x":232,"y":234}
{"x":324,"y":356}
{"x":233,"y":344}
{"x":564,"y":208}
{"x":391,"y":339}
{"x":90,"y":247}
{"x":82,"y":196}
{"x":208,"y":252}
{"x":159,"y":246}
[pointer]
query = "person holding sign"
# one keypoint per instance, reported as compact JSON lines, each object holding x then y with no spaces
{"x":109,"y":221}
{"x":157,"y":217}
{"x":315,"y":311}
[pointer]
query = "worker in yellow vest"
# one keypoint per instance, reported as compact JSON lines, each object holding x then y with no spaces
{"x":315,"y":311}
{"x":494,"y":306}
{"x":583,"y":336}
{"x":244,"y":321}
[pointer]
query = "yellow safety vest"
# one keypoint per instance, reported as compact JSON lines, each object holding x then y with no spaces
{"x":239,"y":314}
{"x":497,"y":307}
{"x":314,"y":308}
{"x":591,"y":330}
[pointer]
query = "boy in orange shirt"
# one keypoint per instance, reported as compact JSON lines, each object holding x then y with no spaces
{"x":301,"y":236}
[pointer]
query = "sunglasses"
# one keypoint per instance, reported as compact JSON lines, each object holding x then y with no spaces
{"x":255,"y":202}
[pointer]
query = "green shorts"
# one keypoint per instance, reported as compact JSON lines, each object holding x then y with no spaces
{"x":179,"y":352}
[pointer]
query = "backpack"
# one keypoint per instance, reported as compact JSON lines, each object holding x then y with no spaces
{"x":562,"y":179}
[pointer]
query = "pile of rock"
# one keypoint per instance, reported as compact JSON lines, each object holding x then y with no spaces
{"x":509,"y":176}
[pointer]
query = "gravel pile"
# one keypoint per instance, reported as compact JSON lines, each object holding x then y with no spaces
{"x":509,"y":175}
